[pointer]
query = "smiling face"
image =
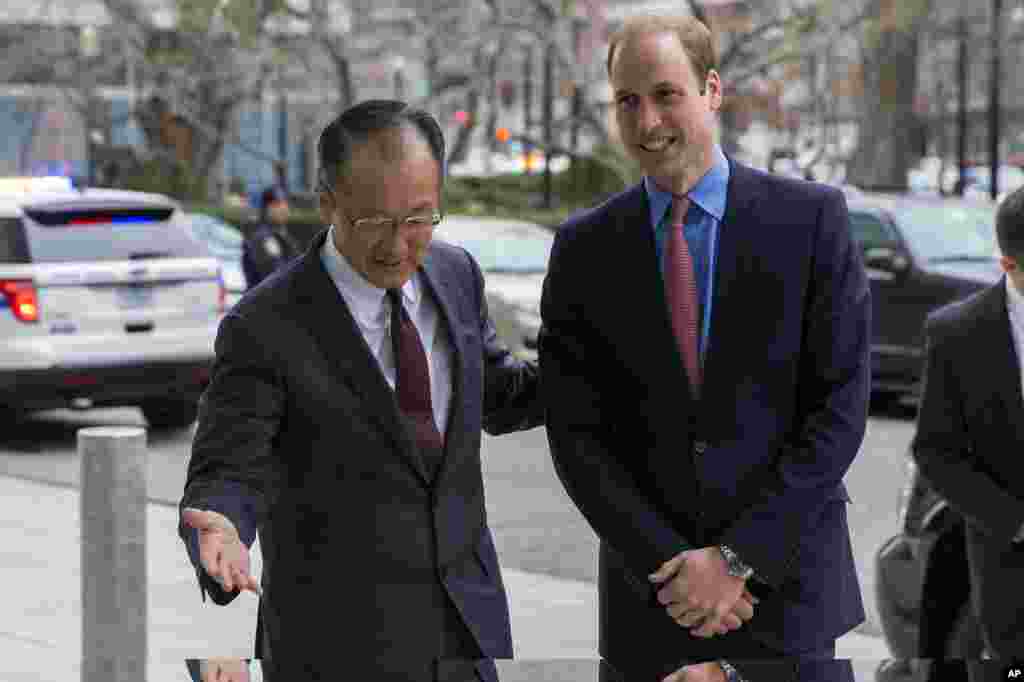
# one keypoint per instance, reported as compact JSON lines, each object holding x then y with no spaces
{"x":666,"y":116}
{"x":391,"y":175}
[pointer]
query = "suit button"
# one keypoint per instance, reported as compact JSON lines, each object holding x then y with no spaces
{"x":700,"y":447}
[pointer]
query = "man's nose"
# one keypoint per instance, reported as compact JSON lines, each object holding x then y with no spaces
{"x":647,"y":117}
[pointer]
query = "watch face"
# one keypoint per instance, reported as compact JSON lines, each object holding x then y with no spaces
{"x":272,"y":247}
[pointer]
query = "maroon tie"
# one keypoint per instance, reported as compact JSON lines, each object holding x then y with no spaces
{"x":412,"y":383}
{"x":681,"y":291}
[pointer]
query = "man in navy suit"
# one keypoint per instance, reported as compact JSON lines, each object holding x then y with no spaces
{"x":705,"y":357}
{"x":342,"y":422}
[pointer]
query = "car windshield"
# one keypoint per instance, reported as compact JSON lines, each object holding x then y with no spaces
{"x":944,"y":233}
{"x":218,"y":235}
{"x":507,"y":252}
{"x":106,"y":241}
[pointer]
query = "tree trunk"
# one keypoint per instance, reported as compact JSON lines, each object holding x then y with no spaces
{"x":460,"y":148}
{"x":885,"y":140}
{"x":346,"y":89}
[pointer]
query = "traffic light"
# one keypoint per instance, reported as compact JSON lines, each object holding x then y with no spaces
{"x":502,"y":135}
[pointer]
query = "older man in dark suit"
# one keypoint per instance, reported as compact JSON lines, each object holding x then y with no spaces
{"x":343,"y":424}
{"x":970,"y":433}
{"x":705,"y":354}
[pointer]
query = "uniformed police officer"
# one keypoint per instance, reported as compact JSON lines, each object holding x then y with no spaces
{"x":270,"y":245}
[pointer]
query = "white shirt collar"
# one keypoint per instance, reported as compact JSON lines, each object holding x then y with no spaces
{"x":365,"y":299}
{"x":1014,"y":298}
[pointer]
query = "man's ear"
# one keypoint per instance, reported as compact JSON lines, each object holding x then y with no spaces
{"x":1007,"y":264}
{"x":326,"y":206}
{"x":713,"y":89}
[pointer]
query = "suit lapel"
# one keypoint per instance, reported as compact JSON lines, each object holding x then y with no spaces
{"x":733,"y":249}
{"x":1000,"y":353}
{"x":438,"y":283}
{"x":323,"y":312}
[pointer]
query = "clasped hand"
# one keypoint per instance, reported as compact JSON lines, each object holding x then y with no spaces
{"x":699,"y":594}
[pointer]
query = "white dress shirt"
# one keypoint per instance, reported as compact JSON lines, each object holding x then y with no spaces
{"x":1015,"y":307}
{"x":372,"y":311}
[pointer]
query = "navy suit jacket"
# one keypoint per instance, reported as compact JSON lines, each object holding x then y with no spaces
{"x":758,"y":462}
{"x":300,"y":438}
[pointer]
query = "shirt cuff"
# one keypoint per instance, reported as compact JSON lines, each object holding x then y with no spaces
{"x":1019,"y":537}
{"x":731,"y":673}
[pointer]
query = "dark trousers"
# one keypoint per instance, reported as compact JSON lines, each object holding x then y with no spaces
{"x":457,"y":654}
{"x":945,"y":592}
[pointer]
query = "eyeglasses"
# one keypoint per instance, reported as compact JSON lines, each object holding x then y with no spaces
{"x":414,"y":223}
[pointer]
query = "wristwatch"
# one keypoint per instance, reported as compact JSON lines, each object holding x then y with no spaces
{"x":731,"y":673}
{"x":735,"y":567}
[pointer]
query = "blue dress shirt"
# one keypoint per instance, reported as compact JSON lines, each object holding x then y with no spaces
{"x":703,"y":221}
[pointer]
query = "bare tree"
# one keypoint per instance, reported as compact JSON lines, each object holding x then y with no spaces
{"x":890,"y":64}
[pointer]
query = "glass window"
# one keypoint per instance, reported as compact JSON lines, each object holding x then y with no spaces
{"x":950,"y":232}
{"x":112,"y":241}
{"x":511,"y":252}
{"x":870,"y":231}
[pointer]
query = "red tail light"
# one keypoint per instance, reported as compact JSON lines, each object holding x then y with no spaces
{"x":21,"y":297}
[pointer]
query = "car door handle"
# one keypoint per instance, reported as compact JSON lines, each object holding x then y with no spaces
{"x":139,"y":327}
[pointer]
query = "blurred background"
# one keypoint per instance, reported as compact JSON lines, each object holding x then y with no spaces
{"x":212,"y":100}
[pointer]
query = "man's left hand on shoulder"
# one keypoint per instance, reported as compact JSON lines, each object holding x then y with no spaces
{"x":698,"y":592}
{"x":699,"y":672}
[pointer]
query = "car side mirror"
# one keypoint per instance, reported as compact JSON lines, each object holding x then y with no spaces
{"x":886,"y":258}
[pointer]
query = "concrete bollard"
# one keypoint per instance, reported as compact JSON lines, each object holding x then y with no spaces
{"x":113,"y":518}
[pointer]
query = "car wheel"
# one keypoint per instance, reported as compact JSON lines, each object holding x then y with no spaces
{"x":174,"y":413}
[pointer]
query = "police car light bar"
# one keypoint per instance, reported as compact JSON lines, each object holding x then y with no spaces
{"x":29,"y":185}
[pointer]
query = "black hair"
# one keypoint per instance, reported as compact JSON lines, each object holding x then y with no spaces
{"x":1010,"y":225}
{"x":357,"y":123}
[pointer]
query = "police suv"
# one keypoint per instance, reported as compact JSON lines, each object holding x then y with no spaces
{"x":105,"y":299}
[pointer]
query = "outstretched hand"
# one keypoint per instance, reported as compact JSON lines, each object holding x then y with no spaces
{"x":224,"y":556}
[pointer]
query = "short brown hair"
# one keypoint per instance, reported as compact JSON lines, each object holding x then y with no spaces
{"x":692,"y":33}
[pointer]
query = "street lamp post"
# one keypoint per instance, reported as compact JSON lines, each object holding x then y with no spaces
{"x":961,"y":113}
{"x":527,"y":104}
{"x":994,"y":113}
{"x":549,"y":103}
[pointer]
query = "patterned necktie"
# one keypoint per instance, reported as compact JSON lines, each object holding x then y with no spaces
{"x":681,"y":292}
{"x":412,"y":383}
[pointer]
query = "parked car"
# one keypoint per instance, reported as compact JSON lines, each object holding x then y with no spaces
{"x":930,"y":537}
{"x":513,"y":255}
{"x":105,"y":299}
{"x":225,"y":242}
{"x":920,"y":253}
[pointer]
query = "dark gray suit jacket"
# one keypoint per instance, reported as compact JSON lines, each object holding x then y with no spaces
{"x":300,"y":439}
{"x":970,"y":446}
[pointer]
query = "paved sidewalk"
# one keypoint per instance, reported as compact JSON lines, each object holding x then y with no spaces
{"x":40,"y":599}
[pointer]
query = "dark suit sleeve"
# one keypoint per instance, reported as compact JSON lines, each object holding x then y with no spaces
{"x":512,"y":398}
{"x":249,"y":267}
{"x":232,"y":470}
{"x":943,"y":451}
{"x":578,"y":426}
{"x":833,"y":390}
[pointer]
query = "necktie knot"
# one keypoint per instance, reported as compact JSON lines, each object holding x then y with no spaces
{"x":680,"y":205}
